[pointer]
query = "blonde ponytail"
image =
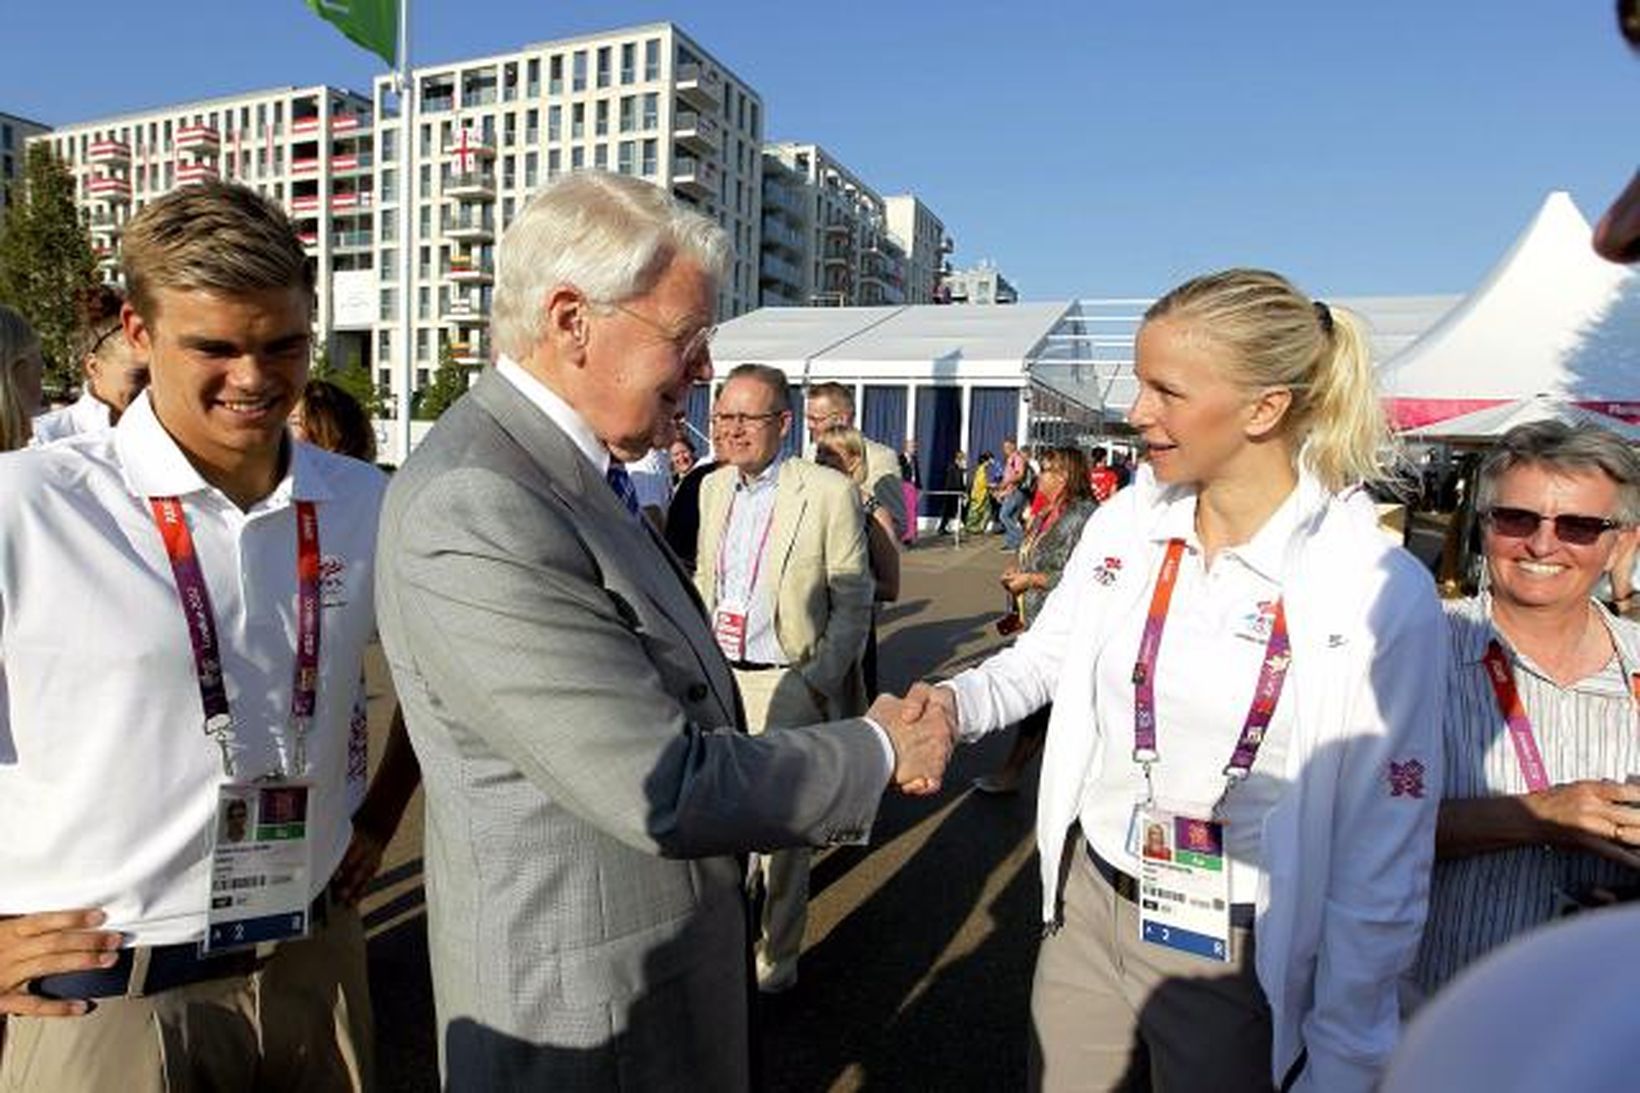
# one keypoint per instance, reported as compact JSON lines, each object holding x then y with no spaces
{"x":1274,"y":336}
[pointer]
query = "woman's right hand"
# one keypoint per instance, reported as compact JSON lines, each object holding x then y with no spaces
{"x":50,"y":943}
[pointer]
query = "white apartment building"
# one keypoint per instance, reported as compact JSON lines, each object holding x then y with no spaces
{"x":926,"y":243}
{"x":645,"y":101}
{"x":14,"y":135}
{"x":984,"y":284}
{"x":826,"y":239}
{"x":308,"y":148}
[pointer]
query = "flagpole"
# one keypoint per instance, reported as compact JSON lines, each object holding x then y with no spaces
{"x":407,"y":223}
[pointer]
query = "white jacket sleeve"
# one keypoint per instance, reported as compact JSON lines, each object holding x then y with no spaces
{"x":1022,"y":678}
{"x":1383,"y":838}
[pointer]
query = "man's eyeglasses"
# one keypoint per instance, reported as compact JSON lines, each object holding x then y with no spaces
{"x":740,"y":421}
{"x":1571,"y":529}
{"x":697,"y":345}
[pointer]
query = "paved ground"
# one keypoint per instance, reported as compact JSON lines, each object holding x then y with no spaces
{"x":917,"y":963}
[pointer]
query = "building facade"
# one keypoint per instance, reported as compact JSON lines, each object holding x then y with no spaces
{"x":14,"y":136}
{"x":309,"y":148}
{"x":646,"y":101}
{"x":826,"y":239}
{"x":984,"y":284}
{"x":926,"y":243}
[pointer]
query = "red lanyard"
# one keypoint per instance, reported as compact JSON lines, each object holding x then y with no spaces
{"x":1502,"y":677}
{"x":1043,"y":525}
{"x":723,"y":551}
{"x":202,"y":635}
{"x":1271,"y":676}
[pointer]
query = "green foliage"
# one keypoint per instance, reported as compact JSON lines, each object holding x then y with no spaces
{"x":352,"y":377}
{"x":449,"y":383}
{"x":46,"y":263}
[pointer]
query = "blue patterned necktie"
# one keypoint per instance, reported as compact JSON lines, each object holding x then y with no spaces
{"x":621,"y":483}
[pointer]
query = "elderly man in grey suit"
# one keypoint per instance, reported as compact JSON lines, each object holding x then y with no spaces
{"x":590,"y":786}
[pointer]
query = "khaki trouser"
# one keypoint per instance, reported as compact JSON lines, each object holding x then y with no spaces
{"x":1110,"y":1012}
{"x":777,"y":697}
{"x":301,"y":1021}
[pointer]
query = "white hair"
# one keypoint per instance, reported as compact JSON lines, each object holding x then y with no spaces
{"x":611,"y":236}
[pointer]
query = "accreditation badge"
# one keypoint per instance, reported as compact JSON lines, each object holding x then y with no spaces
{"x":729,"y":626}
{"x":260,"y":862}
{"x":1184,"y":883}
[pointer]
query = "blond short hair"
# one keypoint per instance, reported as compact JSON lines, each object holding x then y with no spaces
{"x":213,"y":236}
{"x":850,"y":442}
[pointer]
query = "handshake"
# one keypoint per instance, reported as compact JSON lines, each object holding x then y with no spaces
{"x":923,"y":729}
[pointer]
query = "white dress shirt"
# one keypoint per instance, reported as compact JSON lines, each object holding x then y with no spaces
{"x":107,"y":781}
{"x":743,"y":556}
{"x":563,"y":415}
{"x":86,"y":414}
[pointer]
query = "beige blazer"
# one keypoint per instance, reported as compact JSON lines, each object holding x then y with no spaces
{"x":818,"y":565}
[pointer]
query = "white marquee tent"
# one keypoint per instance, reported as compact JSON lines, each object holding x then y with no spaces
{"x":1551,"y":318}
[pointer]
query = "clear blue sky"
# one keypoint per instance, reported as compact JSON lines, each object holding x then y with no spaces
{"x":1109,"y":147}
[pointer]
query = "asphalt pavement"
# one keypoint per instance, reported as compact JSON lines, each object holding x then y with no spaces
{"x":917,"y":961}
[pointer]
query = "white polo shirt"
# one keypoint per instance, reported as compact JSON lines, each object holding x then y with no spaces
{"x":86,"y":414}
{"x":107,"y":780}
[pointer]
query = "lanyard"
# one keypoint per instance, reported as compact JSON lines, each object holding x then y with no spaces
{"x":1043,"y":525}
{"x":723,"y":551}
{"x":202,"y":635}
{"x":1514,"y":715}
{"x":1271,"y":676}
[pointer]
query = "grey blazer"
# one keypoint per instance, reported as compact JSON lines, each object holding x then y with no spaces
{"x":589,"y":782}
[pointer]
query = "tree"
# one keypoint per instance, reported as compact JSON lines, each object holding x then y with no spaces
{"x":46,"y":263}
{"x":353,"y":377}
{"x":449,"y":383}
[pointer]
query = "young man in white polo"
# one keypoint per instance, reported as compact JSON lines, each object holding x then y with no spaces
{"x":184,"y":605}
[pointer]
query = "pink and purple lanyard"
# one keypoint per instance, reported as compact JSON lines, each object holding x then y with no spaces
{"x":1272,"y":675}
{"x":207,"y":649}
{"x":757,"y":559}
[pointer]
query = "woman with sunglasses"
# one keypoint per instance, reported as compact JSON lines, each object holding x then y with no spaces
{"x":114,"y":376}
{"x":1236,"y":653}
{"x":1539,"y":724}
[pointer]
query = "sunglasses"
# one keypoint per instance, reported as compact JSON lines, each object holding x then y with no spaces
{"x":1570,"y":529}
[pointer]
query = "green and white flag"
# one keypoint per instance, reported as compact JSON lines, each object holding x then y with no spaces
{"x":373,"y":24}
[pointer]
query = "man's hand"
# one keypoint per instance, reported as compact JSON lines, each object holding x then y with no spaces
{"x":358,"y":868}
{"x":1595,"y":815}
{"x":923,"y":729}
{"x":50,"y":943}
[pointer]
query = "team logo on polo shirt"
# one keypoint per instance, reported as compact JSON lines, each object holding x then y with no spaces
{"x":1107,"y":571}
{"x":1406,"y":779}
{"x":333,"y":581}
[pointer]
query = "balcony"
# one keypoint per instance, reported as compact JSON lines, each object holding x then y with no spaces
{"x":309,"y":238}
{"x":778,"y":235}
{"x":198,"y":139}
{"x":103,"y":223}
{"x":697,"y":133}
{"x":469,"y":227}
{"x":694,"y":177}
{"x":306,"y":166}
{"x":463,"y":313}
{"x":305,"y":205}
{"x":778,"y":271}
{"x":109,"y":188}
{"x":309,"y":124}
{"x":700,"y":88}
{"x":351,"y":240}
{"x":350,"y":202}
{"x":473,"y":186}
{"x":350,"y":163}
{"x":472,"y":350}
{"x":467,"y":270}
{"x":195,"y":172}
{"x":114,"y":153}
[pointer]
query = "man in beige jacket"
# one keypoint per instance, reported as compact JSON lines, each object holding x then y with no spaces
{"x":783,"y":571}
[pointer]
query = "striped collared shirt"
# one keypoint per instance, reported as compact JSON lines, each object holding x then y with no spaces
{"x":1587,"y":730}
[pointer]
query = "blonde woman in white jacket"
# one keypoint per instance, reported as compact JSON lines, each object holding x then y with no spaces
{"x":1238,"y":795}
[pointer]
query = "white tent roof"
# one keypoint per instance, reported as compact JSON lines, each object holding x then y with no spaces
{"x":1550,"y":318}
{"x":1484,"y":426}
{"x":920,"y":341}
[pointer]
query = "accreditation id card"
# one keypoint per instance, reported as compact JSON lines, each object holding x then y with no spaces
{"x":260,"y":861}
{"x":729,"y":626}
{"x":1184,"y":883}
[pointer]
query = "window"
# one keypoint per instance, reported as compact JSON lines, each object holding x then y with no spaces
{"x":629,"y":111}
{"x":625,"y":156}
{"x":532,"y":84}
{"x":629,"y":62}
{"x":426,"y":220}
{"x":423,"y":302}
{"x":555,"y":75}
{"x":555,"y":123}
{"x":601,"y":118}
{"x":421,"y":354}
{"x":577,"y":158}
{"x":756,"y":122}
{"x":600,"y":157}
{"x":578,"y":79}
{"x":555,"y":164}
{"x":531,"y":165}
{"x":603,"y":66}
{"x":578,"y":121}
{"x":390,"y":262}
{"x":651,"y":111}
{"x":650,"y":148}
{"x":652,"y":59}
